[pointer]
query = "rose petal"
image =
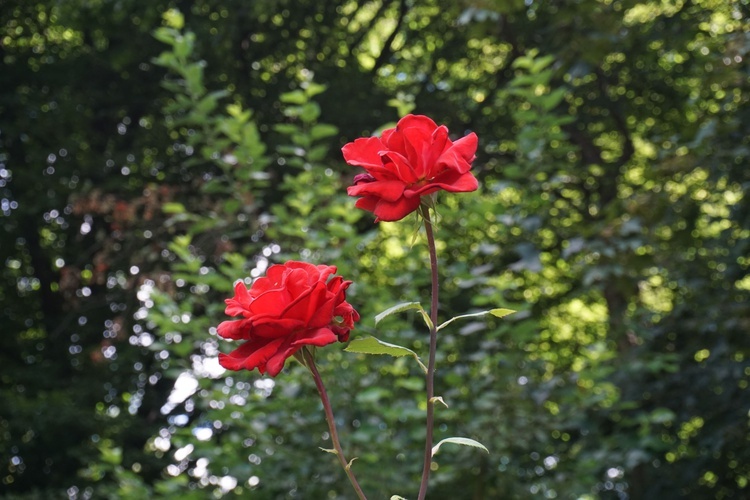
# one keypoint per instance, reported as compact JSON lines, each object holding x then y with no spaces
{"x":419,"y":122}
{"x":271,"y":303}
{"x":311,"y":308}
{"x":318,"y":337}
{"x":401,"y":166}
{"x":364,"y":152}
{"x":250,"y":355}
{"x":457,"y":183}
{"x":275,"y":363}
{"x":459,"y":156}
{"x":325,"y":272}
{"x":273,"y":326}
{"x":297,"y":308}
{"x":367,"y":203}
{"x":337,"y":284}
{"x":321,"y":314}
{"x":310,"y":270}
{"x":460,"y":183}
{"x":387,"y":190}
{"x":298,"y":281}
{"x":385,"y":136}
{"x":238,"y":304}
{"x":275,"y":277}
{"x":432,"y":150}
{"x":393,"y":211}
{"x":235,"y":330}
{"x":419,"y":146}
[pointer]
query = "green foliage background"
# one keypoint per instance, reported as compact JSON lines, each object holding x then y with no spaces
{"x":152,"y":153}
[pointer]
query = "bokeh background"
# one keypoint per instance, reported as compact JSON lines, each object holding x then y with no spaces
{"x":153,"y":152}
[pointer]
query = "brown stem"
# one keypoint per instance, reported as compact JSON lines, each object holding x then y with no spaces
{"x":430,"y":378}
{"x":310,"y":362}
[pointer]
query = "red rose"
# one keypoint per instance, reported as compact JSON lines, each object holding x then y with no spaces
{"x":293,"y":306}
{"x":407,"y":162}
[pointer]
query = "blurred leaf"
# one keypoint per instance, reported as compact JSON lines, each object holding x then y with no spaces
{"x":322,"y":131}
{"x":174,"y":19}
{"x":294,"y":97}
{"x":173,"y":208}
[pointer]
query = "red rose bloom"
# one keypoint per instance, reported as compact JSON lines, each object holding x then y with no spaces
{"x":407,"y":162}
{"x":294,"y":305}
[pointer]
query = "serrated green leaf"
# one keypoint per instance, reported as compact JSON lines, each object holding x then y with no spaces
{"x":371,"y":345}
{"x":461,"y":441}
{"x":329,"y":450}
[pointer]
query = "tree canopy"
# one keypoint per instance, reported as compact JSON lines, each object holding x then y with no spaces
{"x":153,"y":153}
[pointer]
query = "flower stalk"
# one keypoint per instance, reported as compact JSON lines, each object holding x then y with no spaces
{"x":310,"y":363}
{"x":430,"y":377}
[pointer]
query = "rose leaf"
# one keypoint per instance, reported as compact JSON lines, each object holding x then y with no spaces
{"x":371,"y":345}
{"x":461,"y":441}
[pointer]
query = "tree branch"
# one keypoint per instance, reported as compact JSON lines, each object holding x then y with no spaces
{"x":403,"y":9}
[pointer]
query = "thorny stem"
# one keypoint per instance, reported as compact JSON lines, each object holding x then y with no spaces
{"x":433,"y":348}
{"x":310,"y":362}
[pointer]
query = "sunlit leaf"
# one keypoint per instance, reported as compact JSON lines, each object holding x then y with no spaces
{"x":498,"y":313}
{"x":174,"y":19}
{"x":111,"y":455}
{"x":437,"y":399}
{"x":404,"y":306}
{"x":461,"y":441}
{"x":314,"y":89}
{"x":371,"y":345}
{"x":173,"y":208}
{"x":294,"y":97}
{"x":501,"y":312}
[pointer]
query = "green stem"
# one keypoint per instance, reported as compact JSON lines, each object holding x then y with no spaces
{"x":310,"y":362}
{"x":430,"y":378}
